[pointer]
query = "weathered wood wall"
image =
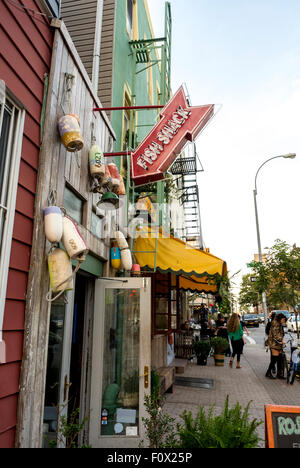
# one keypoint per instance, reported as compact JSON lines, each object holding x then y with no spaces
{"x":57,"y":167}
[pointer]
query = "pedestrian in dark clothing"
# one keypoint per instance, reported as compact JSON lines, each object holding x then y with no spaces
{"x":221,"y":331}
{"x":276,"y":343}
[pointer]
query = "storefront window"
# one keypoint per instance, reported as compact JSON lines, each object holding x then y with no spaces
{"x":73,"y":205}
{"x":97,"y":226}
{"x":167,"y":303}
{"x":120,"y":385}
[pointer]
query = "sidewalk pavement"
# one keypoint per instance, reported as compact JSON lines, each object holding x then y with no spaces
{"x":242,"y":385}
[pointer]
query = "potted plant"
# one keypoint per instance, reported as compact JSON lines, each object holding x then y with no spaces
{"x":219,"y":345}
{"x":202,"y":349}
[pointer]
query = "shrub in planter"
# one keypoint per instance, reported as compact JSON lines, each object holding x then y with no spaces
{"x":219,"y":345}
{"x":202,"y":349}
{"x":233,"y":428}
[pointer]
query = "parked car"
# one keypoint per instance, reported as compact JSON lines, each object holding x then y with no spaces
{"x":261,"y":318}
{"x":291,"y":323}
{"x":251,"y":320}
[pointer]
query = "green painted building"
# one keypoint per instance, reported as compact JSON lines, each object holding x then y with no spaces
{"x":134,"y":69}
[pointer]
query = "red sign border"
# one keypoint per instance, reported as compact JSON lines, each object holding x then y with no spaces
{"x":188,"y":135}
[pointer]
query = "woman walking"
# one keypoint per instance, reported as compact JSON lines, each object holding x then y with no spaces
{"x":236,"y":334}
{"x":275,"y":342}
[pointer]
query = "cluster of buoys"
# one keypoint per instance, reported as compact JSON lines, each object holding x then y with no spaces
{"x":106,"y":180}
{"x":59,"y":227}
{"x":106,"y":176}
{"x":120,"y":256}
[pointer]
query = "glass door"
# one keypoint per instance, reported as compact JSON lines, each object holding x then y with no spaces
{"x":121,"y":363}
{"x":58,"y":368}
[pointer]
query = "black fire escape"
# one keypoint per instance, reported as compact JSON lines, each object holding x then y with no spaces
{"x":187,"y":166}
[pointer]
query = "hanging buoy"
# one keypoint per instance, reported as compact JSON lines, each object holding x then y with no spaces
{"x":96,"y":159}
{"x":121,"y":189}
{"x":114,"y":173}
{"x":136,"y":270}
{"x":60,"y":270}
{"x":126,"y":256}
{"x":126,"y":259}
{"x":106,"y":181}
{"x":115,"y":256}
{"x":53,"y":219}
{"x":122,"y":242}
{"x":70,"y":134}
{"x":72,"y":239}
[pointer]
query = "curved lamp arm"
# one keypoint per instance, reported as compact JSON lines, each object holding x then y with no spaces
{"x":286,"y":156}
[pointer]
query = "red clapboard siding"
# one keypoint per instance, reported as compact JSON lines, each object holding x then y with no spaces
{"x":16,"y":58}
{"x":7,"y":439}
{"x":23,"y":43}
{"x":23,"y":228}
{"x":9,"y":376}
{"x":14,"y":315}
{"x":14,"y":346}
{"x":30,"y":152}
{"x":32,"y":131}
{"x":25,"y":56}
{"x":39,"y":34}
{"x":15,"y":83}
{"x":8,"y":411}
{"x":25,"y":202}
{"x":27,"y":177}
{"x":20,"y":256}
{"x":16,"y":285}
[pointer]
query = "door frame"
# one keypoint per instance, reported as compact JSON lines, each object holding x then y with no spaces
{"x":144,"y":285}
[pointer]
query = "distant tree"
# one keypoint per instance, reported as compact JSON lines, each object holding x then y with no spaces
{"x":249,"y":295}
{"x":279,"y":276}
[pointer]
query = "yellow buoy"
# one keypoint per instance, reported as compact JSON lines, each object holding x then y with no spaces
{"x":60,"y":270}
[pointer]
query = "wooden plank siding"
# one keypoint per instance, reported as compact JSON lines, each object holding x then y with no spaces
{"x":81,"y":26}
{"x":80,"y":19}
{"x":107,"y":54}
{"x":25,"y":57}
{"x":55,"y":172}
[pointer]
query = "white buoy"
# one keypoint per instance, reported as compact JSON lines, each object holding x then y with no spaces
{"x":120,"y":238}
{"x":53,"y":220}
{"x":126,"y":259}
{"x":72,"y":239}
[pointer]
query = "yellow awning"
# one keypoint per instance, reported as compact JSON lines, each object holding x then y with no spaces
{"x":194,"y":284}
{"x":196,"y":267}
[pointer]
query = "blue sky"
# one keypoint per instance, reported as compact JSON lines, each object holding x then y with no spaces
{"x":245,"y":56}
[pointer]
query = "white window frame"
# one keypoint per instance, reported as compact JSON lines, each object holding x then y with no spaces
{"x":9,"y":188}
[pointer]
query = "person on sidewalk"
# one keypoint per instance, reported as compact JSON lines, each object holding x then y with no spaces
{"x":221,"y":332}
{"x":236,"y":335}
{"x":276,"y":343}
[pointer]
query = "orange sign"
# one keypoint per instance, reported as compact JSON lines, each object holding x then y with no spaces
{"x":282,"y":426}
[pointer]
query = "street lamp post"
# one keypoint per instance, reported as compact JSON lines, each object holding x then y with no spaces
{"x":264,"y":296}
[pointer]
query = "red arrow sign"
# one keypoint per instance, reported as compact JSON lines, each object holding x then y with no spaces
{"x":163,"y":144}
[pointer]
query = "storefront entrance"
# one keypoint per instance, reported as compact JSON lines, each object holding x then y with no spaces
{"x":121,"y":361}
{"x":68,"y":365}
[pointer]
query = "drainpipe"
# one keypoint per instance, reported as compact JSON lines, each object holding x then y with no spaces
{"x":97,"y":46}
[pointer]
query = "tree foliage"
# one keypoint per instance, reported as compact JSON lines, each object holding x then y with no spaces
{"x":278,"y":276}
